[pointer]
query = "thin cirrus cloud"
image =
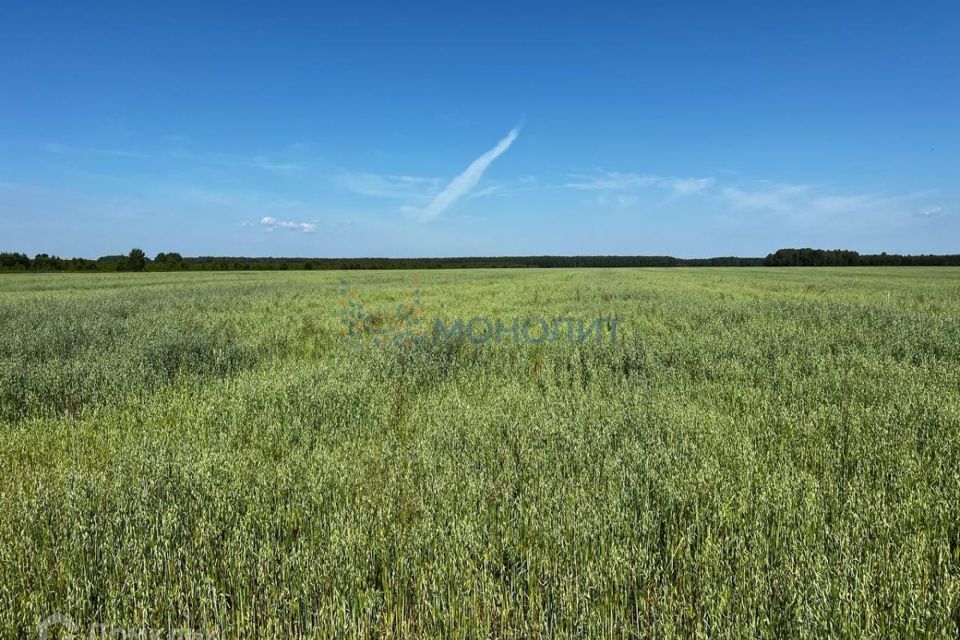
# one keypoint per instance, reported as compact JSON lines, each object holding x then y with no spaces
{"x":798,"y":202}
{"x":273,"y":224}
{"x":464,"y":183}
{"x":262,"y":162}
{"x":389,"y":186}
{"x":616,"y":182}
{"x":772,"y":197}
{"x":62,"y":149}
{"x":809,"y":201}
{"x":259,"y":162}
{"x":689,"y":186}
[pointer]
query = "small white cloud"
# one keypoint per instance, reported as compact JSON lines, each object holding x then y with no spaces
{"x":931,"y":212}
{"x":272,"y":224}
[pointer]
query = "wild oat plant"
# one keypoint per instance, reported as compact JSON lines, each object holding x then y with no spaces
{"x":760,"y":453}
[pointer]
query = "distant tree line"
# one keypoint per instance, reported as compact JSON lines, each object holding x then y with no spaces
{"x":844,"y":258}
{"x":136,"y":260}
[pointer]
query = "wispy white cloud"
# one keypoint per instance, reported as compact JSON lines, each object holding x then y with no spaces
{"x":810,"y":202}
{"x":840,"y":203}
{"x":375,"y":185}
{"x":226,"y":198}
{"x":521,"y":185}
{"x":464,"y":183}
{"x":490,"y":190}
{"x":611,"y":184}
{"x":622,"y":200}
{"x":930,"y":212}
{"x":689,"y":186}
{"x":773,"y":197}
{"x":419,"y":191}
{"x":613,"y":181}
{"x":210,"y":196}
{"x":801,"y":205}
{"x":262,"y":162}
{"x":272,"y":224}
{"x":54,"y":147}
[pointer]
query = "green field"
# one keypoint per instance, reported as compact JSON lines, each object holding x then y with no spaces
{"x":760,"y":453}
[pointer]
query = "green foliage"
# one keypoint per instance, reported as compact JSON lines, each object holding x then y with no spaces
{"x":172,"y":261}
{"x":136,"y":261}
{"x":14,"y":261}
{"x":765,"y":453}
{"x":812,"y":258}
{"x":175,"y":262}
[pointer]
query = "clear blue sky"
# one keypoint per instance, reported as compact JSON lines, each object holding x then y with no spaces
{"x":437,"y":129}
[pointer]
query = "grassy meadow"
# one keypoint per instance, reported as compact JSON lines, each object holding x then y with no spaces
{"x":761,"y":453}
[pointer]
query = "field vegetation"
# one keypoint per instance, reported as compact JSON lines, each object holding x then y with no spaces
{"x":761,"y":453}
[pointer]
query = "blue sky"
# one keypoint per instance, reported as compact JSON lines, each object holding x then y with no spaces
{"x":432,"y":129}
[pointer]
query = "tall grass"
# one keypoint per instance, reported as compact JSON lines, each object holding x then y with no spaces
{"x":762,"y":453}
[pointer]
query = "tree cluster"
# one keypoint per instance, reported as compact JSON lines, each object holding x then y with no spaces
{"x":845,"y":258}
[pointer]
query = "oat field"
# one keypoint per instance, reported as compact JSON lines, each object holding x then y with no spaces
{"x":759,"y":453}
